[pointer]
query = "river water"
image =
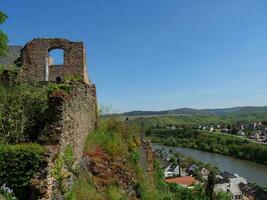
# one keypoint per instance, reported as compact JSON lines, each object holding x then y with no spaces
{"x":252,"y":171}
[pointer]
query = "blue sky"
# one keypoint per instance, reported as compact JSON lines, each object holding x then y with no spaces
{"x":158,"y":54}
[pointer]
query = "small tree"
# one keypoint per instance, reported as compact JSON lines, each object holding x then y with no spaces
{"x":173,"y":160}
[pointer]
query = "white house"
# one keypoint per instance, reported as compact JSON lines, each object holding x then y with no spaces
{"x":171,"y":171}
{"x":232,"y":187}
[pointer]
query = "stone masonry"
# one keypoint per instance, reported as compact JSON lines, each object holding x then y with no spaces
{"x":75,"y":116}
{"x":34,"y":57}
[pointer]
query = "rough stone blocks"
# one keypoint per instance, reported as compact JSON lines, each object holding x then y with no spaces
{"x":34,"y":58}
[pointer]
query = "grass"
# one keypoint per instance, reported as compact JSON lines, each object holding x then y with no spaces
{"x":110,"y":136}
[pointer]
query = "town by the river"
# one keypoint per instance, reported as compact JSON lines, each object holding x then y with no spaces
{"x":253,"y":172}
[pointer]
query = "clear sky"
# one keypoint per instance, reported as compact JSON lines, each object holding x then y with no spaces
{"x":158,"y":54}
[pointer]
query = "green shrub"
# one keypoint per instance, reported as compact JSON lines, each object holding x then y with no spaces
{"x":22,"y":110}
{"x":75,"y":78}
{"x":52,"y":87}
{"x":223,"y":196}
{"x":18,"y":163}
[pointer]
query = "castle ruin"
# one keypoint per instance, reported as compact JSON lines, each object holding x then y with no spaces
{"x":74,"y":117}
{"x":36,"y":65}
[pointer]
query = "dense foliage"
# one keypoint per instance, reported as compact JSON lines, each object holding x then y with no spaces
{"x":213,"y":142}
{"x":22,"y":111}
{"x":189,"y":120}
{"x":18,"y":163}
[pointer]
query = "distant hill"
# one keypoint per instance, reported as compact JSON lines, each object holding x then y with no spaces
{"x":202,"y":112}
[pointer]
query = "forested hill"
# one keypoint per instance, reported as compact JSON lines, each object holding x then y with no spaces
{"x":190,"y":111}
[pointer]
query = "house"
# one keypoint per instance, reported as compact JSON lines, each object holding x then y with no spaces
{"x":172,"y":170}
{"x":185,"y":181}
{"x":193,"y":168}
{"x":224,"y":177}
{"x":241,"y":132}
{"x":224,"y":130}
{"x":256,"y":136}
{"x":232,"y":186}
{"x":228,"y":175}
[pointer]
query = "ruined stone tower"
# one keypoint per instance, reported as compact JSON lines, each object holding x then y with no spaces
{"x":36,"y":65}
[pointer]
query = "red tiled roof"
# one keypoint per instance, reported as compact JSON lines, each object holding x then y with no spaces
{"x":184,"y":180}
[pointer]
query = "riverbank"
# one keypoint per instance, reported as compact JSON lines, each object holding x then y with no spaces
{"x":211,"y":142}
{"x":253,"y":172}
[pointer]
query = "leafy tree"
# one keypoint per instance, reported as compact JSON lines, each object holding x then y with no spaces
{"x":210,"y":185}
{"x":173,"y":160}
{"x":3,"y":36}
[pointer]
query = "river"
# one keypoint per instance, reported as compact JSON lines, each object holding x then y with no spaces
{"x":252,"y":171}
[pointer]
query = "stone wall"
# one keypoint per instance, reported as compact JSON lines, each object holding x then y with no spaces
{"x":34,"y":58}
{"x":75,"y":117}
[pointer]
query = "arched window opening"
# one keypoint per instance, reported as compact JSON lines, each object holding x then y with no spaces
{"x":56,"y":57}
